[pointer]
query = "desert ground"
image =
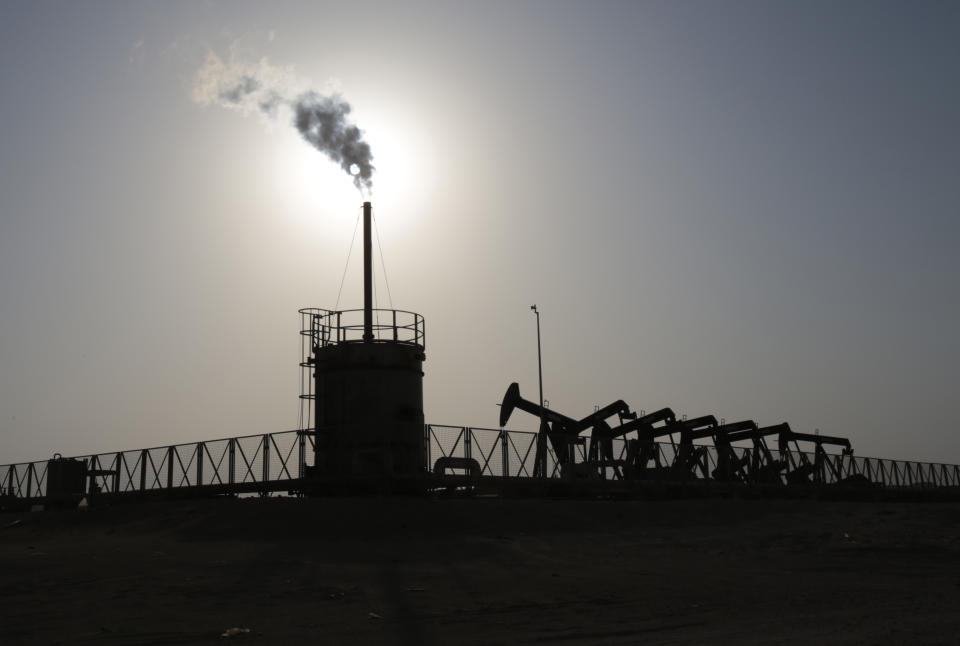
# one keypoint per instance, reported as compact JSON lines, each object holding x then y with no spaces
{"x":398,"y":570}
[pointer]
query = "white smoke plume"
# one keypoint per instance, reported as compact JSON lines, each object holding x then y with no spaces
{"x":321,"y":119}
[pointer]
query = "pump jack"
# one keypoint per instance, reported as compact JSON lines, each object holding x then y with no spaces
{"x":800,"y":469}
{"x":764,"y":468}
{"x":730,"y":466}
{"x":690,"y":457}
{"x":562,"y":431}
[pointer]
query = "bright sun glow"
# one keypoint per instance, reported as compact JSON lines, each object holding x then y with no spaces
{"x":309,"y":184}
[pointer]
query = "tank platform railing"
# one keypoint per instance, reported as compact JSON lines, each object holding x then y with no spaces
{"x":323,"y":328}
{"x":320,"y":328}
{"x":278,"y":462}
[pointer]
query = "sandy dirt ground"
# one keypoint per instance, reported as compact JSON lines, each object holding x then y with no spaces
{"x":483,"y":571}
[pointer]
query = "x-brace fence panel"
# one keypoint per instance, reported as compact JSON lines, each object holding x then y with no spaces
{"x":249,"y":458}
{"x":216,"y":462}
{"x":485,"y":448}
{"x":447,"y":442}
{"x":522,"y":453}
{"x":284,"y":456}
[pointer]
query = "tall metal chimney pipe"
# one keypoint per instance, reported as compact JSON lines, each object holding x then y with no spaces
{"x":367,"y":277}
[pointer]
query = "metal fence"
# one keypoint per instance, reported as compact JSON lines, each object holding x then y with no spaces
{"x":247,"y":463}
{"x":512,"y":453}
{"x":274,"y":461}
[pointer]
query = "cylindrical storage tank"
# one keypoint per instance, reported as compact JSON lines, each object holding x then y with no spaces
{"x":368,"y":407}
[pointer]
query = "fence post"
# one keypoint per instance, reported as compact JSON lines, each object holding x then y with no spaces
{"x":199,"y":464}
{"x":171,"y":452}
{"x":506,"y":454}
{"x":426,"y":447}
{"x":30,"y":480}
{"x":301,"y":453}
{"x":115,"y":486}
{"x":143,"y":469}
{"x":467,"y":442}
{"x":266,"y":457}
{"x":232,"y":443}
{"x":94,"y":466}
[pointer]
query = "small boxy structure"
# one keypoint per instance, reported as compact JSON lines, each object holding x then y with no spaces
{"x":365,"y":383}
{"x":66,"y":477}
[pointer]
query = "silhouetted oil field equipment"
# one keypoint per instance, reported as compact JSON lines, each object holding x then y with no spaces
{"x":364,"y":384}
{"x":282,"y":463}
{"x":563,"y":432}
{"x":362,"y":429}
{"x":764,"y":468}
{"x":643,"y":450}
{"x":66,"y":477}
{"x":803,"y":470}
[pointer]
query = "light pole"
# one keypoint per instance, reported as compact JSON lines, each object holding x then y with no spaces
{"x":540,"y":467}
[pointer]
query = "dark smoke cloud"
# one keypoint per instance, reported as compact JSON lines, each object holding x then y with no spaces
{"x":244,"y":87}
{"x":320,"y":119}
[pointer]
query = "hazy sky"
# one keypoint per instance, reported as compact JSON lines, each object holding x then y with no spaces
{"x":749,"y":209}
